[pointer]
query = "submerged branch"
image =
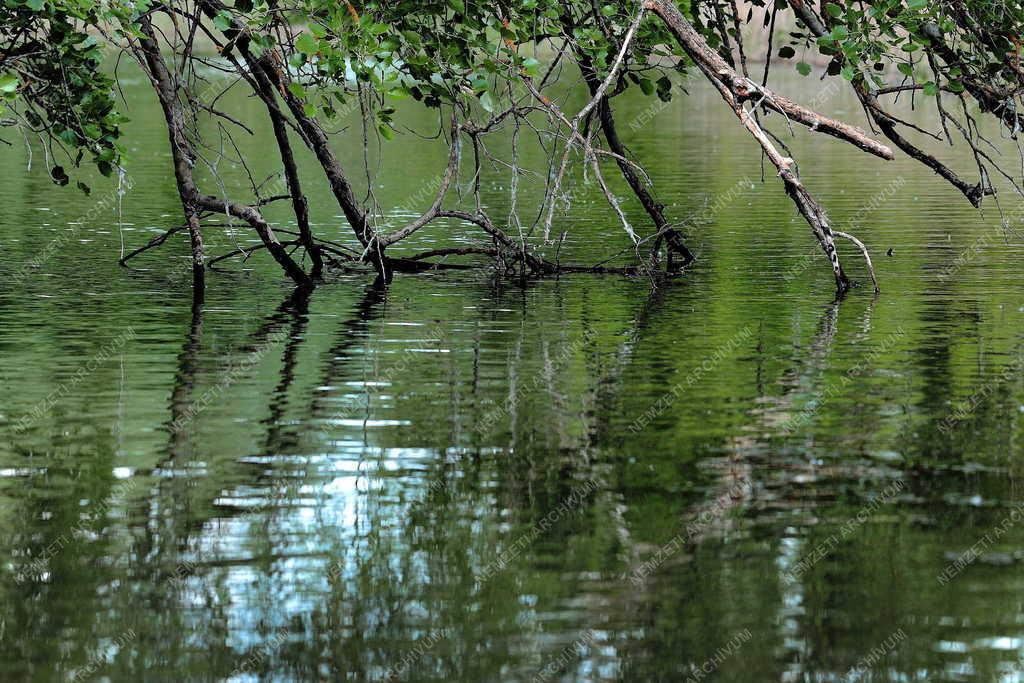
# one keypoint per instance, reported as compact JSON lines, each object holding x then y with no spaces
{"x":155,"y":242}
{"x":864,"y":251}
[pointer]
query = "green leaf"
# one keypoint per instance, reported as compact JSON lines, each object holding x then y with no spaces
{"x":804,"y":68}
{"x":222,"y":20}
{"x":487,"y":101}
{"x":931,"y":89}
{"x":297,"y":90}
{"x":307,"y":44}
{"x":8,"y":83}
{"x":68,"y":137}
{"x":35,"y":5}
{"x":386,"y":132}
{"x":531,"y":67}
{"x":664,"y":86}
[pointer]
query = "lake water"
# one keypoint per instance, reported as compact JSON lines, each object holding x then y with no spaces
{"x":731,"y":478}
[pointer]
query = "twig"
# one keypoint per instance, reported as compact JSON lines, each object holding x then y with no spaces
{"x":867,"y":256}
{"x":155,"y":242}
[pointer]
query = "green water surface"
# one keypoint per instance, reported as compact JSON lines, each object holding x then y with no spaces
{"x":731,"y":478}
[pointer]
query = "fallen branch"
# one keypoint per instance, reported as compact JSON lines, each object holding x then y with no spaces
{"x":453,"y":251}
{"x":454,"y":156}
{"x":155,"y":242}
{"x":721,"y":75}
{"x":246,"y":252}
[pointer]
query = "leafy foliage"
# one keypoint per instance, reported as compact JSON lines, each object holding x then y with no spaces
{"x":51,"y":79}
{"x":476,"y":54}
{"x":447,"y":52}
{"x":931,"y":44}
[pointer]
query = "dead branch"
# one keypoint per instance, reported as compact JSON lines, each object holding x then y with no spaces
{"x":454,"y":155}
{"x":155,"y":242}
{"x":887,"y":123}
{"x":715,"y":70}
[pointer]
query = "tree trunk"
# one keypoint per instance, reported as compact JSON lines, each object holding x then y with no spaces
{"x":181,"y":149}
{"x":192,"y":200}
